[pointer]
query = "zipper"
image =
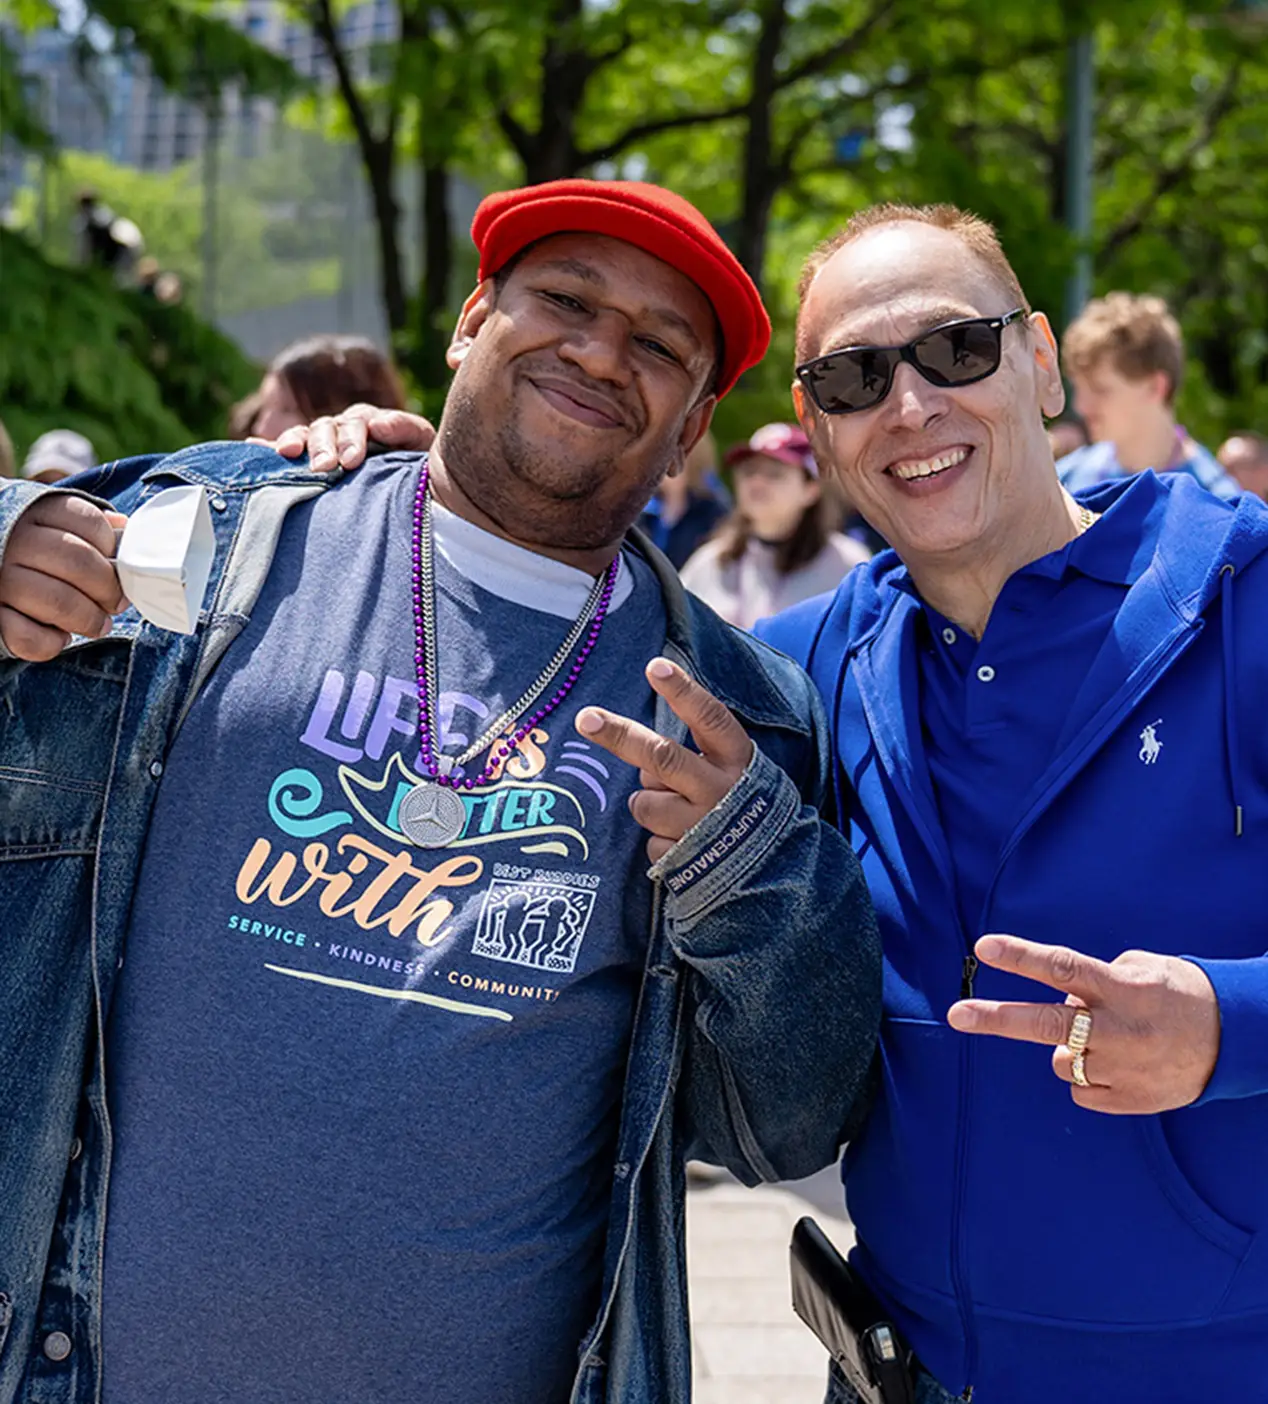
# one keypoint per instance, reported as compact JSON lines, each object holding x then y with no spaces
{"x":959,"y":1273}
{"x":967,"y":971}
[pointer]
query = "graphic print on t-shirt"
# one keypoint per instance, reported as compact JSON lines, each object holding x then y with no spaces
{"x":334,"y":841}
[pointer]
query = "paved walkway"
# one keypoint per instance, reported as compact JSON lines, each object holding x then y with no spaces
{"x":747,"y":1346}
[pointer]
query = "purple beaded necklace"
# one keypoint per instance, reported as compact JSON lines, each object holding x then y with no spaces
{"x":432,"y":814}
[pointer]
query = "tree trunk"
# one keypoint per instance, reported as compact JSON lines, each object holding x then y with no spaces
{"x":761,"y":179}
{"x":380,"y":168}
{"x":566,"y":69}
{"x":437,"y":240}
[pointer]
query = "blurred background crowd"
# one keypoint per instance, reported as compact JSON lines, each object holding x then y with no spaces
{"x":221,"y":220}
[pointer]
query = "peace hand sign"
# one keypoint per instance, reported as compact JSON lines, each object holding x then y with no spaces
{"x":1155,"y":1033}
{"x":680,"y":786}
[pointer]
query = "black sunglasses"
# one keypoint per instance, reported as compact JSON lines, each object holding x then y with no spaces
{"x":858,"y":377}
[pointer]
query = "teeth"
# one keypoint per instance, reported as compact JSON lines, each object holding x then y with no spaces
{"x":927,"y":467}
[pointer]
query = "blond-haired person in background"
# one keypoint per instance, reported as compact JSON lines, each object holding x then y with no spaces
{"x":1124,"y":356}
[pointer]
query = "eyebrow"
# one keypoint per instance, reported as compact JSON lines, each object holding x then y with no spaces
{"x":587,"y":273}
{"x":935,"y":317}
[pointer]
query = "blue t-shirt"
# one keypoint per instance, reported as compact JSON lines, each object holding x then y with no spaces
{"x":365,"y":1094}
{"x":993,"y":712}
{"x":1094,"y":464}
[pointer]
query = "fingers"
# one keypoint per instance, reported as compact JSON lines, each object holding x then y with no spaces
{"x":1029,"y":1023}
{"x":717,"y":733}
{"x":666,"y":763}
{"x":398,"y":429}
{"x":290,"y":444}
{"x":58,"y":578}
{"x":663,"y":813}
{"x":1063,"y":1066}
{"x":329,"y":439}
{"x":342,"y":440}
{"x":62,"y":512}
{"x":657,"y":848}
{"x":50,"y":601}
{"x":24,"y":638}
{"x":1056,"y":966}
{"x":71,"y":559}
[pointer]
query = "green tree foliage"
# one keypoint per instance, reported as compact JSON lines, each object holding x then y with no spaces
{"x":78,"y":353}
{"x":781,"y":117}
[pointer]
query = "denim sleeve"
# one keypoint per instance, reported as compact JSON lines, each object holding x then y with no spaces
{"x":1241,"y":986}
{"x":766,"y":905}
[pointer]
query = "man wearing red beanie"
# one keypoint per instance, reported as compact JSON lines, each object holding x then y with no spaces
{"x":397,"y":1043}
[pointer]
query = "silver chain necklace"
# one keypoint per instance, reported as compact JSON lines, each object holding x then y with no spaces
{"x":432,"y":814}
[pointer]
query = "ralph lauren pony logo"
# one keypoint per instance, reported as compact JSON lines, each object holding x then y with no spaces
{"x":1150,"y":746}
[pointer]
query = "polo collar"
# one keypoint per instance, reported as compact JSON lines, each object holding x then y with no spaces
{"x":1117,"y":549}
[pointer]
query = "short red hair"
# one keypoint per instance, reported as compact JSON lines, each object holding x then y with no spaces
{"x":973,"y":232}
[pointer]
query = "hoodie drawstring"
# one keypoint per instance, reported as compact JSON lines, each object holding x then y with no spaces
{"x":1230,"y":702}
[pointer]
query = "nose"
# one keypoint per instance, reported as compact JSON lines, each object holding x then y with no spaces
{"x":914,"y":403}
{"x":600,"y":348}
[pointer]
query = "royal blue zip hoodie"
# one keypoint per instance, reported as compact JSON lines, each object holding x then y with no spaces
{"x":1030,"y":1249}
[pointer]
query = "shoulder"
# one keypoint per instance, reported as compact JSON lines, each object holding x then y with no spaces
{"x":229,"y":466}
{"x":754,"y":677}
{"x":847,"y":613}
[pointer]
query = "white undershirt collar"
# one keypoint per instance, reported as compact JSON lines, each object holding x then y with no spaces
{"x":514,"y":572}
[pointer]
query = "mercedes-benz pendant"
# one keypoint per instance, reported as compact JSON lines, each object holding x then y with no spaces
{"x":432,"y":816}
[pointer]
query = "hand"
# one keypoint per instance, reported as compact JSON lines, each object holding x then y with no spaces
{"x":339,"y":441}
{"x":58,"y":578}
{"x":1155,"y":1022}
{"x":679,"y":786}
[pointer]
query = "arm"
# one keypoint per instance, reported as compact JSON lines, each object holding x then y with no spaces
{"x":784,"y":999}
{"x":1241,"y":990}
{"x":766,"y":907}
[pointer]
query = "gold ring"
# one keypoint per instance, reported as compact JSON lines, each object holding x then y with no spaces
{"x":1076,"y":1070}
{"x":1080,"y":1032}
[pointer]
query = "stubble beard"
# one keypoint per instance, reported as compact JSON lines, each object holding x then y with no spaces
{"x":529,"y":492}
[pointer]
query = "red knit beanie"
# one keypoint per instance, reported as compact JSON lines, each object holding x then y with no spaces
{"x":659,"y":222}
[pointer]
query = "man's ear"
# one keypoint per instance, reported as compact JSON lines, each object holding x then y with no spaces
{"x":802,"y":408}
{"x":694,"y":428}
{"x":1047,"y":366}
{"x":813,"y":425}
{"x":474,"y":314}
{"x":1162,"y":389}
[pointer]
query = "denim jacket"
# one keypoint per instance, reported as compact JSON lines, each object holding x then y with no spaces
{"x":754,"y":1032}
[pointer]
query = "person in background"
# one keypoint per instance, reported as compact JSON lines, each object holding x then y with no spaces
{"x":107,"y":240}
{"x":1124,"y":356}
{"x":1066,"y":435}
{"x":776,"y":549}
{"x":1244,"y":456}
{"x":688,"y":506}
{"x":317,"y":376}
{"x":8,"y":462}
{"x":56,"y":455}
{"x":243,"y":415}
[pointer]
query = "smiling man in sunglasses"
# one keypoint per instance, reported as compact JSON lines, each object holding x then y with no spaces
{"x":1050,"y":712}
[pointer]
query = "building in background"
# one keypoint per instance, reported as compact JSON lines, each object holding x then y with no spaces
{"x":96,"y":101}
